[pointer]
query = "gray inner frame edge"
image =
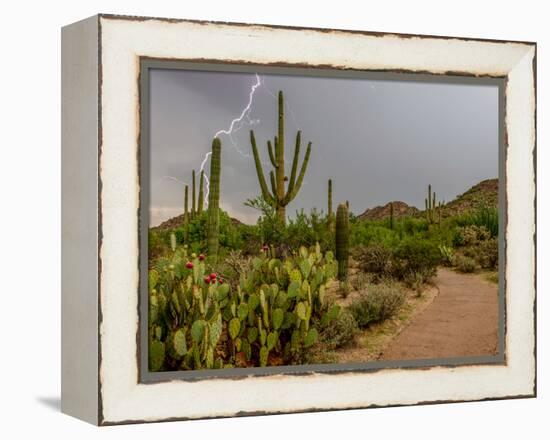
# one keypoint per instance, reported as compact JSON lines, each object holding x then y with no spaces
{"x":144,"y":152}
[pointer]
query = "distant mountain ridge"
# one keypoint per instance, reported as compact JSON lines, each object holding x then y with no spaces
{"x":484,"y":193}
{"x":177,"y":221}
{"x":400,"y":209}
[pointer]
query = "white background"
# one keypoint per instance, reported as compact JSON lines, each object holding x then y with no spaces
{"x":30,"y":217}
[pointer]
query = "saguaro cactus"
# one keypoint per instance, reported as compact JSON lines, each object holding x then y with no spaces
{"x":214,"y":199}
{"x":342,"y":241}
{"x":193,"y":199}
{"x":391,"y":215}
{"x":186,"y":216}
{"x":431,"y":206}
{"x":329,"y":208}
{"x":280,"y":197}
{"x":200,"y":201}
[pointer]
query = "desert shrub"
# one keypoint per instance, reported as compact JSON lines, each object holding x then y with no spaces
{"x":344,"y":288}
{"x":488,"y":254}
{"x":470,"y":235}
{"x":302,"y":230}
{"x":370,"y":232}
{"x":320,"y":355}
{"x":232,"y":266}
{"x":413,"y":226}
{"x":470,"y":251}
{"x":375,"y":259}
{"x":415,"y":281}
{"x":415,"y":256}
{"x":309,"y":229}
{"x":360,"y":281}
{"x":340,"y":332}
{"x":379,"y":303}
{"x":271,"y":229}
{"x":458,"y":237}
{"x":465,"y":264}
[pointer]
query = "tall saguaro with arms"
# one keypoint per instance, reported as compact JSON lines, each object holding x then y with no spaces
{"x":280,"y":197}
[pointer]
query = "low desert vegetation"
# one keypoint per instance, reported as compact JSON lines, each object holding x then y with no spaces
{"x":295,"y":289}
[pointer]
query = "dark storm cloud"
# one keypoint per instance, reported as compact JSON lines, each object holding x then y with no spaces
{"x":377,"y":140}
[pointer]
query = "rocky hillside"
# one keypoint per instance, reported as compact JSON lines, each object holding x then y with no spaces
{"x":484,"y":193}
{"x":400,"y":209}
{"x":177,"y":221}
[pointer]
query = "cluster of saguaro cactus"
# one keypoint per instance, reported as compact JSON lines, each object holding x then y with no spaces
{"x":433,"y":209}
{"x":280,"y":196}
{"x":342,"y":240}
{"x":198,"y":322}
{"x":214,"y":199}
{"x":196,"y":205}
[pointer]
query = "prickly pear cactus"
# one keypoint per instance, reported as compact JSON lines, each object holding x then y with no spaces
{"x":196,"y":321}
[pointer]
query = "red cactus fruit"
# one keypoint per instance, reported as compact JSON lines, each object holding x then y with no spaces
{"x":189,"y":265}
{"x":201,"y":257}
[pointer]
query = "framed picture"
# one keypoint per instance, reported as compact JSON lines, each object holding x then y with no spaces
{"x":262,"y":219}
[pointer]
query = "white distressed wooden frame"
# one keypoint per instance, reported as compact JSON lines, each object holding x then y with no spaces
{"x":100,"y":66}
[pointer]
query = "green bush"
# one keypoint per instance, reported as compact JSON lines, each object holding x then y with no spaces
{"x":413,"y":226}
{"x":302,"y":230}
{"x":465,"y":264}
{"x":415,"y":256}
{"x":344,"y":288}
{"x":341,"y":332}
{"x":374,"y":258}
{"x":360,"y":280}
{"x":488,"y":254}
{"x":379,"y":303}
{"x":458,"y":237}
{"x":307,"y":230}
{"x":370,"y":232}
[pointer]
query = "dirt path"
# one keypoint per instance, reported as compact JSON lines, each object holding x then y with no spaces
{"x":461,"y":321}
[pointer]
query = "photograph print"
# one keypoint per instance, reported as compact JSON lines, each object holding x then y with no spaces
{"x":312,"y":218}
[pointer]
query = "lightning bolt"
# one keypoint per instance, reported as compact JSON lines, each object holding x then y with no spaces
{"x":238,"y":123}
{"x":175,"y":179}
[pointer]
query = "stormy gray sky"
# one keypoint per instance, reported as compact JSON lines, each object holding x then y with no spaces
{"x":378,"y":140}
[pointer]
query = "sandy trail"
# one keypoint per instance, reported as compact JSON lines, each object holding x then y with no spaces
{"x":461,"y":321}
